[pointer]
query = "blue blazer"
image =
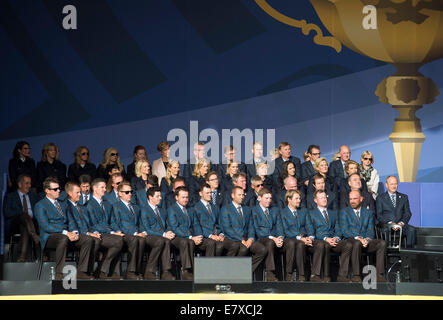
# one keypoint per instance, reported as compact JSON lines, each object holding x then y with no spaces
{"x":293,"y":227}
{"x":49,"y":220}
{"x":336,"y":172}
{"x":150,"y":221}
{"x":125,"y":221}
{"x":77,"y":218}
{"x":99,"y":219}
{"x":81,"y":201}
{"x":233,"y":226}
{"x":278,"y":199}
{"x":307,"y":171}
{"x":210,"y":224}
{"x":138,"y":183}
{"x":183,"y":227}
{"x":386,"y":211}
{"x":265,"y":227}
{"x":12,"y":207}
{"x":110,"y":197}
{"x":317,"y":227}
{"x":351,"y":227}
{"x":332,"y":201}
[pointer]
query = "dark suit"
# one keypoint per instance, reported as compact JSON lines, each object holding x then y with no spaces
{"x":130,"y":171}
{"x":251,"y":169}
{"x":111,"y":197}
{"x":82,"y":201}
{"x":138,"y":183}
{"x":18,"y":220}
{"x":352,"y":227}
{"x":401,"y":213}
{"x":307,"y":171}
{"x":17,"y":167}
{"x":237,"y":228}
{"x":293,"y":227}
{"x":129,"y":223}
{"x":272,"y":226}
{"x":56,"y":169}
{"x":209,"y":222}
{"x":336,"y":171}
{"x":317,"y":227}
{"x":194,"y":184}
{"x":52,"y":224}
{"x":75,"y":171}
{"x":103,"y":172}
{"x":155,"y":227}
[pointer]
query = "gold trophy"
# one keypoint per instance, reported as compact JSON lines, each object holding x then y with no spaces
{"x":405,"y":33}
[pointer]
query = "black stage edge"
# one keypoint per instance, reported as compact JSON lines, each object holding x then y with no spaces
{"x":419,"y":288}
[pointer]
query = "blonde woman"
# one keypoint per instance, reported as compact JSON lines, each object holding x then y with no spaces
{"x":262,"y":172}
{"x":81,"y":165}
{"x":142,"y":173}
{"x":111,"y":159}
{"x":369,"y":173}
{"x":172,"y":172}
{"x":321,"y":167}
{"x":351,"y":167}
{"x":160,"y":165}
{"x":197,"y":179}
{"x":231,"y":169}
{"x":50,"y":166}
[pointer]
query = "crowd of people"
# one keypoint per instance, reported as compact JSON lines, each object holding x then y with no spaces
{"x":230,"y":208}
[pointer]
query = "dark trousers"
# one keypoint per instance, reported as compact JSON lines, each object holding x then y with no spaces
{"x":219,"y":246}
{"x":186,"y":249}
{"x":257,"y":250}
{"x":131,"y":243}
{"x":317,"y":251}
{"x":208,"y":247}
{"x":343,"y":247}
{"x":112,"y":245}
{"x":59,"y":242}
{"x":378,"y":246}
{"x":288,"y":247}
{"x":85,"y":244}
{"x":160,"y":248}
{"x":27,"y":227}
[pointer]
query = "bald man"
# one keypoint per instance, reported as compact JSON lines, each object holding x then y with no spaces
{"x":337,"y":167}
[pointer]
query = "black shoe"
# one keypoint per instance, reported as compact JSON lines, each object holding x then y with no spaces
{"x":270,"y":276}
{"x":187,"y":275}
{"x":342,"y":279}
{"x":356,"y":279}
{"x":149,"y":276}
{"x":166,"y":275}
{"x":315,"y":278}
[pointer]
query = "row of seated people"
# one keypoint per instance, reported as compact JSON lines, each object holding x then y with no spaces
{"x":194,"y":171}
{"x":236,"y":229}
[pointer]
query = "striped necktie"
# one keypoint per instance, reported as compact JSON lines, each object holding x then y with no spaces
{"x":59,"y":209}
{"x":157,"y":213}
{"x":393,"y":200}
{"x":325,"y":215}
{"x":214,"y":197}
{"x":267,"y":214}
{"x":358,"y":214}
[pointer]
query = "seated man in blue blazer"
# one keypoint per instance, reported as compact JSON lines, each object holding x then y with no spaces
{"x":85,"y":189}
{"x":140,"y":197}
{"x":238,"y":180}
{"x":294,"y":227}
{"x":357,"y":225}
{"x":78,"y":223}
{"x":98,"y":213}
{"x":322,"y":224}
{"x":238,"y":227}
{"x":54,"y":234}
{"x":269,"y":231}
{"x":112,"y":195}
{"x":170,"y":197}
{"x":126,"y":217}
{"x":158,"y":237}
{"x":319,"y":183}
{"x":393,"y":209}
{"x":19,"y":217}
{"x":188,"y":232}
{"x":208,"y":217}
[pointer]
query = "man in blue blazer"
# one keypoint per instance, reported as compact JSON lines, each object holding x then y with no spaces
{"x":393,"y":209}
{"x":337,"y":167}
{"x":322,"y":224}
{"x":188,"y":232}
{"x":98,"y":213}
{"x":357,"y":225}
{"x":284,"y":148}
{"x":307,"y":168}
{"x":54,"y":232}
{"x":290,"y":183}
{"x":238,"y":227}
{"x":112,"y":196}
{"x":208,"y":217}
{"x":294,"y":227}
{"x":126,"y":217}
{"x":269,"y":231}
{"x":19,"y":217}
{"x":153,"y":218}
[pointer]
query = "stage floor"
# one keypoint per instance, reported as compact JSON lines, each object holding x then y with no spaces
{"x":226,"y":296}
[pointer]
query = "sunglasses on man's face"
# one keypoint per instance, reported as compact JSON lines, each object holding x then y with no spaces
{"x":127,"y":192}
{"x":55,"y":189}
{"x":114,"y":154}
{"x":259,"y":185}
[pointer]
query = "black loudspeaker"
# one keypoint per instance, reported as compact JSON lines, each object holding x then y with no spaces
{"x":222,"y":270}
{"x":420,"y":265}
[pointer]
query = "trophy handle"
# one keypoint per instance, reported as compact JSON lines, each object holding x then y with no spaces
{"x":319,"y":39}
